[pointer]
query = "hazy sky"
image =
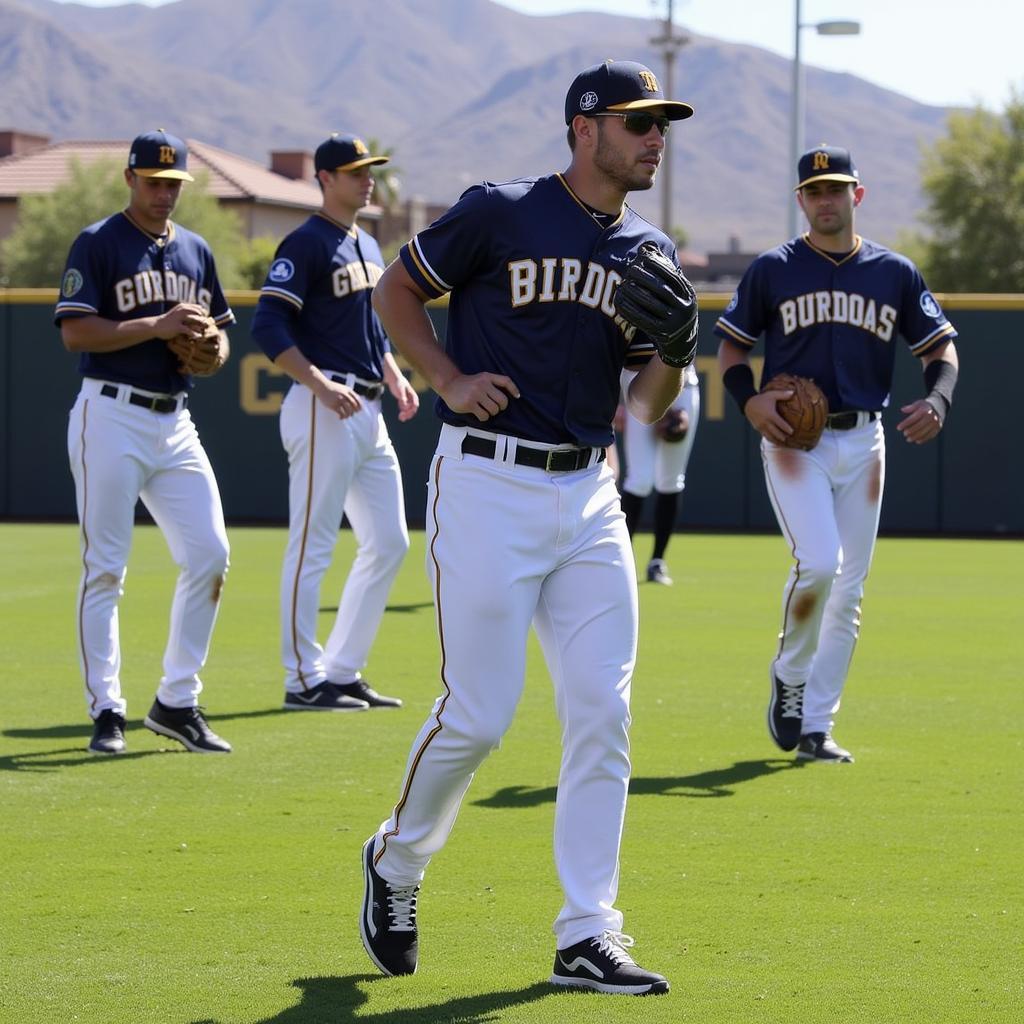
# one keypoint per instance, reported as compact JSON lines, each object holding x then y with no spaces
{"x":945,"y":52}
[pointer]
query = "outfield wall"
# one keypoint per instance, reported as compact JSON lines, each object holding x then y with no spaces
{"x":967,"y":481}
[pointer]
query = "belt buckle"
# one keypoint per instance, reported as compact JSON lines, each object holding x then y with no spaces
{"x":549,"y":460}
{"x":154,"y":403}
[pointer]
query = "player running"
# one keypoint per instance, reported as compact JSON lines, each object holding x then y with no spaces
{"x":830,"y":305}
{"x":523,"y":518}
{"x":137,"y":288}
{"x":315,"y":321}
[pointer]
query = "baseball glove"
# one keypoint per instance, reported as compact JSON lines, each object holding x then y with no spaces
{"x":673,"y":426}
{"x":655,"y":297}
{"x":202,"y":356}
{"x":805,"y":411}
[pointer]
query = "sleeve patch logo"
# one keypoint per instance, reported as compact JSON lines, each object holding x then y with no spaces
{"x":929,"y":306}
{"x":733,"y":302}
{"x":72,"y":283}
{"x":281,"y":270}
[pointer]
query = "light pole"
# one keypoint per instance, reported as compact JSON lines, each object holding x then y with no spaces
{"x":671,"y":43}
{"x":796,"y":127}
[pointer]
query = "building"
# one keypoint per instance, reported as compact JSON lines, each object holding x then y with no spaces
{"x":270,"y":201}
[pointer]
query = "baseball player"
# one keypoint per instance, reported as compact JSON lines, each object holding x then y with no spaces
{"x":523,"y":518}
{"x":138,"y":293}
{"x":315,"y":321}
{"x":656,"y":459}
{"x":830,"y":305}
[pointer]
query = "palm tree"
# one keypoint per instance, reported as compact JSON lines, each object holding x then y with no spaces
{"x":387,"y":176}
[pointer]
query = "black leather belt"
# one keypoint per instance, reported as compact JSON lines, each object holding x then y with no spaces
{"x":153,"y":403}
{"x":366,"y":390}
{"x":555,"y":460}
{"x":847,"y":420}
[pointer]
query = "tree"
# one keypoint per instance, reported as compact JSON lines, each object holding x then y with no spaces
{"x":255,"y":261}
{"x":387,"y":177}
{"x":33,"y":254}
{"x":974,"y":181}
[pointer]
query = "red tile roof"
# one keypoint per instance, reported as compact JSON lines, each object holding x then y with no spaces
{"x":231,"y":176}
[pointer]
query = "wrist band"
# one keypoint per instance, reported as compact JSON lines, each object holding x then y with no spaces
{"x":739,"y":382}
{"x":940,"y":379}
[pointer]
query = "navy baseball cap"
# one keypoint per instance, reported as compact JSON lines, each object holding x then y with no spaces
{"x":159,"y":155}
{"x":619,"y":85}
{"x":344,"y":153}
{"x":826,"y":163}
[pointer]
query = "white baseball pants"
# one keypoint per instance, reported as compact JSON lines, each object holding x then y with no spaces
{"x":335,"y":466}
{"x":509,"y":546}
{"x":827,"y":502}
{"x":118,"y":453}
{"x":652,"y":464}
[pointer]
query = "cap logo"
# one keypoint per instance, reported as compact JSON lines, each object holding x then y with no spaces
{"x":588,"y":100}
{"x":167,"y":155}
{"x":649,"y":81}
{"x":360,"y":147}
{"x":821,"y":161}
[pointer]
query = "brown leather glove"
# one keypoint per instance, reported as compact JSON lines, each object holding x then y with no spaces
{"x":806,"y":411}
{"x":200,"y":357}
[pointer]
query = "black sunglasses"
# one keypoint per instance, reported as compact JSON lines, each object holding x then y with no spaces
{"x":639,"y":122}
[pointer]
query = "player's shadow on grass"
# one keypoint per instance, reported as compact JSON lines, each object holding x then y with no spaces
{"x":714,"y":783}
{"x":66,"y":757}
{"x":337,"y":1000}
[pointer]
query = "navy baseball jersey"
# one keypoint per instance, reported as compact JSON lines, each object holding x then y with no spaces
{"x":532,"y":271}
{"x":317,"y":298}
{"x":119,"y":271}
{"x":835,"y":318}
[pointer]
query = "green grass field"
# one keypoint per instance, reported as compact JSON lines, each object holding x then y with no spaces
{"x":167,"y":888}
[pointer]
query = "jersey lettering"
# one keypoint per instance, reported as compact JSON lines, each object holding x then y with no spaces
{"x":522,"y":280}
{"x":598,"y":286}
{"x":354,"y":277}
{"x":547,"y":288}
{"x":825,"y":307}
{"x":148,"y":286}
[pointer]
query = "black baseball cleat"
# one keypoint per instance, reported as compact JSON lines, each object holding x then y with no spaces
{"x":323,"y":697}
{"x":362,"y":691}
{"x":388,"y":920}
{"x":602,"y":963}
{"x":108,"y":733}
{"x":786,"y":712}
{"x":187,"y":726}
{"x":657,"y":572}
{"x":819,"y":746}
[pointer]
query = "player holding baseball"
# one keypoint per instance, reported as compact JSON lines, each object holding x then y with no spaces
{"x":141,"y":303}
{"x":830,"y":304}
{"x":524,"y":524}
{"x":656,"y":456}
{"x":315,"y":321}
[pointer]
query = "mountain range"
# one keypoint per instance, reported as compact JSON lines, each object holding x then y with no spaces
{"x":461,"y":90}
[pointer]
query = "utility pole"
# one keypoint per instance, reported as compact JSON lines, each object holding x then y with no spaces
{"x":670,"y":42}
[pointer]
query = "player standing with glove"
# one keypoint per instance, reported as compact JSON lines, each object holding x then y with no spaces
{"x":657,"y":455}
{"x":314,"y":319}
{"x":829,"y":304}
{"x":523,"y":518}
{"x":141,"y":302}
